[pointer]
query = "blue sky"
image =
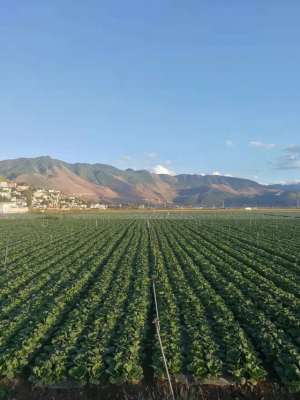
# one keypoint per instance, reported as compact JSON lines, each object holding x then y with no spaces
{"x":191,"y":86}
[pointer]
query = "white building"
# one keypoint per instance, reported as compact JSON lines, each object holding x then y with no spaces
{"x":3,"y":184}
{"x":5,"y":193}
{"x":99,"y":206}
{"x":22,"y":188}
{"x":12,"y":208}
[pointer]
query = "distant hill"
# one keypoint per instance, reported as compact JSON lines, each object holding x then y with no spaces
{"x":294,"y":187}
{"x":109,"y":184}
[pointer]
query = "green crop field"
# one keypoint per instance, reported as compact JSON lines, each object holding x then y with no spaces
{"x":76,"y":295}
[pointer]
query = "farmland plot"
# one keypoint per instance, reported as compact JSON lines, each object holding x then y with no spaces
{"x":77,"y":302}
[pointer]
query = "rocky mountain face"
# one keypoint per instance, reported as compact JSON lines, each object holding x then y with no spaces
{"x":100,"y":182}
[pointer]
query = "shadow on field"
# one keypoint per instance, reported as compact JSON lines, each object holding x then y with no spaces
{"x":24,"y":391}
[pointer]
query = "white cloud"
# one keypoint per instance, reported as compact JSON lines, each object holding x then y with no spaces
{"x":161,"y":169}
{"x":287,"y":182}
{"x":291,"y":158}
{"x":218,"y":173}
{"x":229,"y":143}
{"x":261,"y":145}
{"x":151,"y":155}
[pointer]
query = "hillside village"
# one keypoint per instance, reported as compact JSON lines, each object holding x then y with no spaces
{"x":20,"y":198}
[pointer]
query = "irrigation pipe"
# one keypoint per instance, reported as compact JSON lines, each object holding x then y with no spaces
{"x":157,"y":326}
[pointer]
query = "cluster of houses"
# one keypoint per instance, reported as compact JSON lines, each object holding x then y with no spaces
{"x":19,"y":198}
{"x":13,"y":197}
{"x":49,"y":198}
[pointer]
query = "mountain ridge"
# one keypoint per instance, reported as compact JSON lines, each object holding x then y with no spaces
{"x":102,"y":182}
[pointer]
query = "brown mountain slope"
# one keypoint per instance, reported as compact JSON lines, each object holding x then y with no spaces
{"x":61,"y":178}
{"x":245,"y":191}
{"x":65,"y":180}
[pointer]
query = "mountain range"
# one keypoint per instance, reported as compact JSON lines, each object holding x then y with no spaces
{"x":105,"y":183}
